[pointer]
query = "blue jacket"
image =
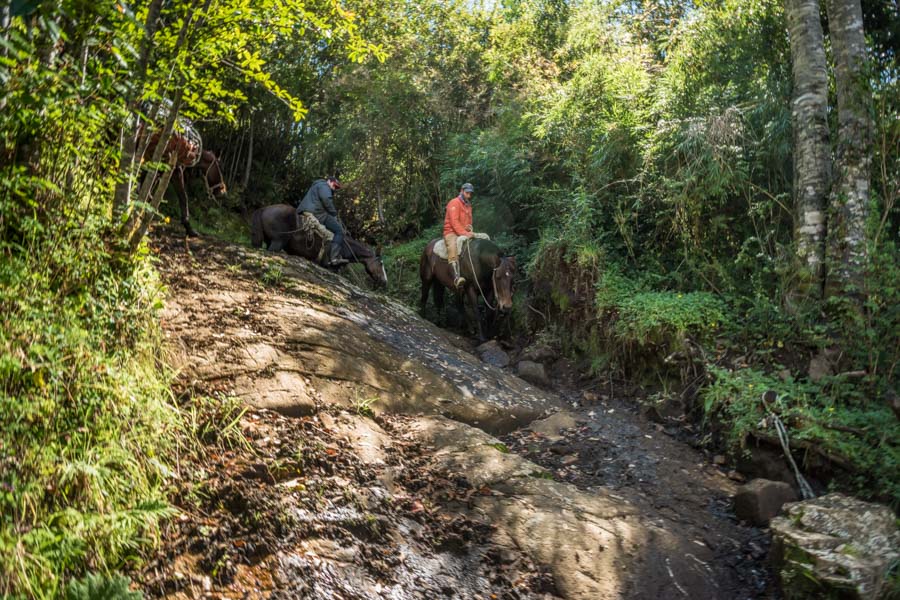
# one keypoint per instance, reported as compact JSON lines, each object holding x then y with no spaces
{"x":319,"y":201}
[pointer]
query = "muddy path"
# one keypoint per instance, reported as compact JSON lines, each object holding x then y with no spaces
{"x":366,"y":467}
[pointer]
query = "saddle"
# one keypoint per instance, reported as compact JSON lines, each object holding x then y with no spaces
{"x":440,"y":248}
{"x":310,"y":226}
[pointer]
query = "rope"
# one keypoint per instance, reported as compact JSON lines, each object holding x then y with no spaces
{"x":493,"y":280}
{"x":805,"y":490}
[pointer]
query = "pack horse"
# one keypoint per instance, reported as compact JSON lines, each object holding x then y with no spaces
{"x":191,"y":159}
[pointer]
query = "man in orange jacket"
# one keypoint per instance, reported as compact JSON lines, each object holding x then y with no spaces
{"x":458,"y":222}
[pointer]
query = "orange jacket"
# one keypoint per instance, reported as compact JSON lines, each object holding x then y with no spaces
{"x":458,"y":217}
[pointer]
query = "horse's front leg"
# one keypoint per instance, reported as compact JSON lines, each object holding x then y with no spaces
{"x":425,"y":280}
{"x":438,"y":289}
{"x":181,"y":190}
{"x":473,"y":304}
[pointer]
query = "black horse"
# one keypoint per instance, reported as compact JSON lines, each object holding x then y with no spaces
{"x":488,"y":274}
{"x":277,"y":227}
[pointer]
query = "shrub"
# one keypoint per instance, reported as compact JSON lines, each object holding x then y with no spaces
{"x":857,"y":443}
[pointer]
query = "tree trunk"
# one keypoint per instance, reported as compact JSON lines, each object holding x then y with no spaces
{"x":128,"y":170}
{"x":848,"y":209}
{"x":143,"y":225}
{"x":812,"y":154}
{"x":245,"y":181}
{"x":138,"y":216}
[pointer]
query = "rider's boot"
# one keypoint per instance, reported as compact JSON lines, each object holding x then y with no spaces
{"x":458,"y":280}
{"x":336,"y":259}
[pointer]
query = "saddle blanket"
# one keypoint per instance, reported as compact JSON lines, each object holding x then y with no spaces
{"x":441,"y":248}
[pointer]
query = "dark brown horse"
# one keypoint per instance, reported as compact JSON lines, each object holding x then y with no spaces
{"x":192,"y":159}
{"x":488,"y":275}
{"x":277,"y":228}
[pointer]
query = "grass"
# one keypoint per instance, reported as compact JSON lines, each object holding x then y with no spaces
{"x":364,"y":406}
{"x":88,"y":417}
{"x":402,"y":265}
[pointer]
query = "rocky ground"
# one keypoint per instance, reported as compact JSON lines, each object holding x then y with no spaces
{"x":366,"y":467}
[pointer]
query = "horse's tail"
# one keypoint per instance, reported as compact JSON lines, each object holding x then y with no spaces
{"x":257,"y":237}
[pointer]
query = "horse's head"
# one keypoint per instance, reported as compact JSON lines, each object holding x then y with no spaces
{"x":375,"y":269}
{"x":212,"y":171}
{"x":503,"y":277}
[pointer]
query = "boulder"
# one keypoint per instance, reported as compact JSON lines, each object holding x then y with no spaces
{"x":532,"y":372}
{"x":491,"y":353}
{"x":823,"y":364}
{"x":664,"y":410}
{"x":539,"y":353}
{"x":761,"y":499}
{"x":552,"y":425}
{"x":835,"y":546}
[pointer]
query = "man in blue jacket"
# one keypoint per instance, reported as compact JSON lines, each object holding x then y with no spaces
{"x":319,"y":201}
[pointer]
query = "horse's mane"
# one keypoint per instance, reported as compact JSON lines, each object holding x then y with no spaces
{"x":486,"y":246}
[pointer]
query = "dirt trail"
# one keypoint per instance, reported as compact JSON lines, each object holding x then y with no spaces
{"x":383,"y":480}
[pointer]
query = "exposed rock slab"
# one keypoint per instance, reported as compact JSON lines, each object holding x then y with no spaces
{"x":314,"y":339}
{"x":596,"y":545}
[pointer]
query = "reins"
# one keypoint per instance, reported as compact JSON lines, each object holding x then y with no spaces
{"x":310,"y":238}
{"x":478,"y":284}
{"x":355,"y":258}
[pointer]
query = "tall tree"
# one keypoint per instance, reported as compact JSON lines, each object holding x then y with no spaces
{"x":812,"y":152}
{"x":850,"y":194}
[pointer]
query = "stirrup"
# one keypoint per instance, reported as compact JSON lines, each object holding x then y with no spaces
{"x":459,"y":282}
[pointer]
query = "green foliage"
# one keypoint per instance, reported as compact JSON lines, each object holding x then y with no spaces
{"x":86,"y":410}
{"x":863,"y":438}
{"x":98,"y":587}
{"x":363,"y":406}
{"x":273,"y":275}
{"x":402,"y":264}
{"x":635,"y":156}
{"x":643,"y":330}
{"x":87,"y":419}
{"x":213,"y":421}
{"x":88,"y":424}
{"x":663,"y":318}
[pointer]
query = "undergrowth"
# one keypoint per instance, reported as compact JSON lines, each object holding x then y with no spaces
{"x":401,"y":262}
{"x":741,"y":346}
{"x":87,"y":422}
{"x":861,"y":439}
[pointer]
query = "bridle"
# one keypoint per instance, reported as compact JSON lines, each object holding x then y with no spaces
{"x":212,"y":189}
{"x":374,"y":257}
{"x":493,"y":279}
